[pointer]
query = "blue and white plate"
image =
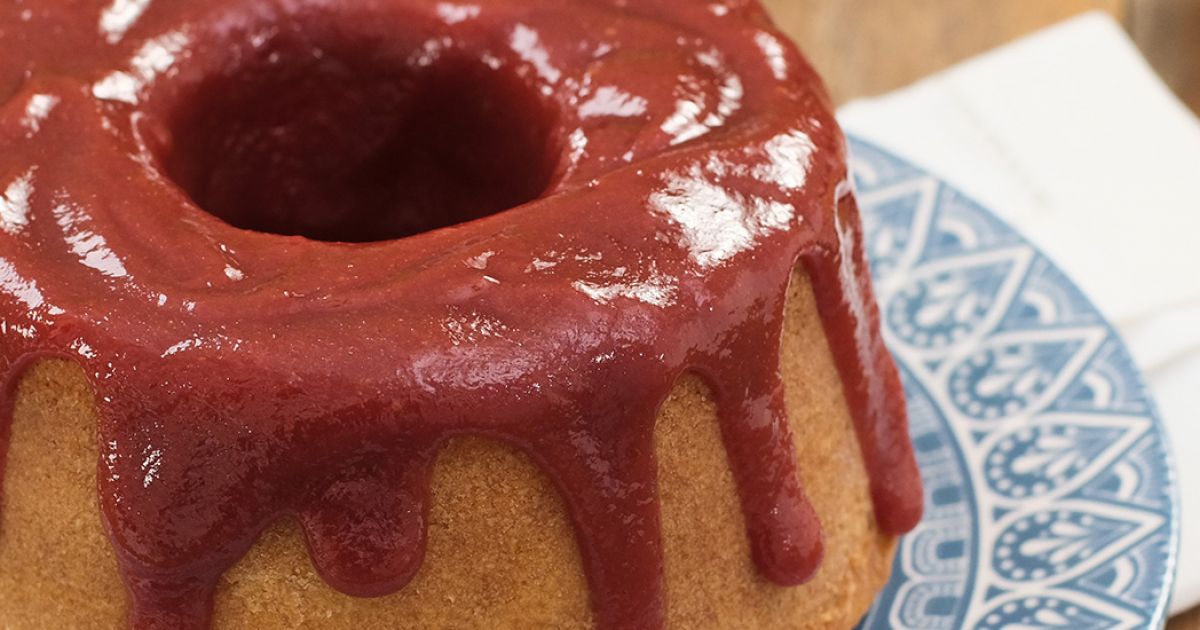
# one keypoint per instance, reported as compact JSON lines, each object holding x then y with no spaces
{"x":1050,"y":497}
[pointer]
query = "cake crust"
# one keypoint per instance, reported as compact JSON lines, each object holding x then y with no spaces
{"x":502,"y":553}
{"x":358,"y":287}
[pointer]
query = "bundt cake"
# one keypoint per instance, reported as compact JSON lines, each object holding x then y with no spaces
{"x":434,"y":314}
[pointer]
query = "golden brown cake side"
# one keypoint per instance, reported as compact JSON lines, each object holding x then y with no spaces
{"x":333,"y":238}
{"x":501,"y":551}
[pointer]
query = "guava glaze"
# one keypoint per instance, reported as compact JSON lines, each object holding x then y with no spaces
{"x":690,"y":162}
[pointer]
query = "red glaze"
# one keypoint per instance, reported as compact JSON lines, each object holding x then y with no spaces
{"x":678,"y":159}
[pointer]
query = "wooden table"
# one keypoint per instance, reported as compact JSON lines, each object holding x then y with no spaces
{"x":868,"y":47}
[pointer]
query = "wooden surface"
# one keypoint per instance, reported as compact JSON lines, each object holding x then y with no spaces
{"x":1187,"y":621}
{"x":1168,"y":32}
{"x":868,"y":47}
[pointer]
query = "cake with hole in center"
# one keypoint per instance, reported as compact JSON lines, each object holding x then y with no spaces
{"x":421,"y":314}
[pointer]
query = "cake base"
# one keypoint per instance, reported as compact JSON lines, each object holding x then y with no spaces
{"x":501,"y":550}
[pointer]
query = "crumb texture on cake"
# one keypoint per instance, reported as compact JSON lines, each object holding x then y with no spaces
{"x":399,"y":312}
{"x":501,"y":549}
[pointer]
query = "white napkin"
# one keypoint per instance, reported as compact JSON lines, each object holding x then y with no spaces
{"x":1071,"y":137}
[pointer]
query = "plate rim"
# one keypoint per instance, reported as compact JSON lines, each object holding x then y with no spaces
{"x":1160,"y":614}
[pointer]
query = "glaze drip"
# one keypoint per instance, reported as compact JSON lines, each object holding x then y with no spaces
{"x":684,"y":161}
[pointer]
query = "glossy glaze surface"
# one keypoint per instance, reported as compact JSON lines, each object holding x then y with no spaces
{"x":670,"y":162}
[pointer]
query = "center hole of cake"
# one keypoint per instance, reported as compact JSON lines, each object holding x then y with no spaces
{"x":351,"y":146}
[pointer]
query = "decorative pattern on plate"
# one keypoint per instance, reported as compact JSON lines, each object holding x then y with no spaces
{"x":1050,"y":500}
